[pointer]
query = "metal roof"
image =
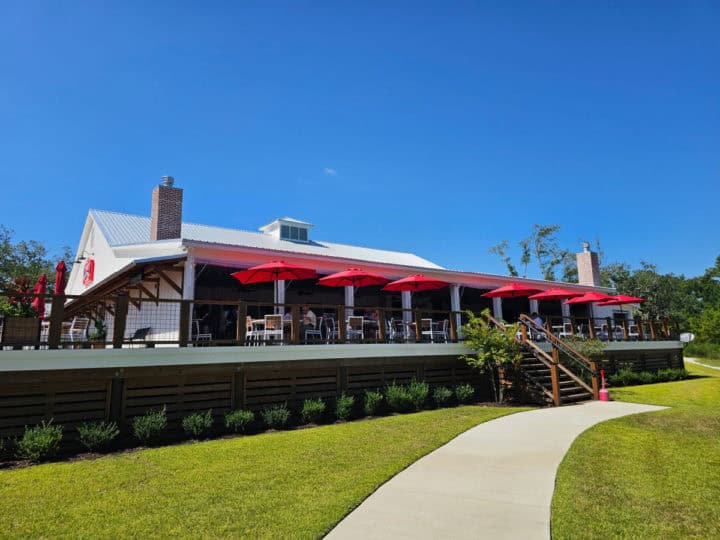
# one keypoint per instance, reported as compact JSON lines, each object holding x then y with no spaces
{"x":125,"y":229}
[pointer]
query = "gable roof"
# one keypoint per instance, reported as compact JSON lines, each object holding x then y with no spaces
{"x":125,"y":229}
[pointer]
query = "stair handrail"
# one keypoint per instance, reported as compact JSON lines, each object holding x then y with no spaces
{"x":571,"y":352}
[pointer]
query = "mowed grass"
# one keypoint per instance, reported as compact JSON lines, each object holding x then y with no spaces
{"x":275,"y":485}
{"x":653,"y":475}
{"x":708,"y":361}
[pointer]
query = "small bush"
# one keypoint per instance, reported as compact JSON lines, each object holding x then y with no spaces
{"x":239,"y":420}
{"x":399,"y":398}
{"x":312,"y":411}
{"x":442,"y":396}
{"x":343,"y":406}
{"x":671,"y":374}
{"x":645,"y":377}
{"x":39,"y":443}
{"x":97,"y":436}
{"x":418,"y":391}
{"x":276,"y":416}
{"x":148,"y":427}
{"x":464,"y":393}
{"x":198,"y":424}
{"x":627,"y":377}
{"x":373,"y":402}
{"x":623,"y":377}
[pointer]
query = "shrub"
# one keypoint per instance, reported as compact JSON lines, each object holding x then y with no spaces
{"x":312,"y":410}
{"x":97,"y":435}
{"x":399,"y":398}
{"x":276,"y":416}
{"x":623,"y":377}
{"x":671,"y":374}
{"x":39,"y":442}
{"x":198,"y":424}
{"x":645,"y":377}
{"x":442,"y":396}
{"x":343,"y":406}
{"x":373,"y":402}
{"x":464,"y":393}
{"x":239,"y":420}
{"x":148,"y":427}
{"x":6,"y":449}
{"x":418,"y":391}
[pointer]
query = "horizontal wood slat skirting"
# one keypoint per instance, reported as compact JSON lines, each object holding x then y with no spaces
{"x":70,"y":397}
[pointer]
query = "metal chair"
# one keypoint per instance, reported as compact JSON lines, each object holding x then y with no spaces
{"x":397,"y":330}
{"x":426,"y":329}
{"x":634,"y":332}
{"x":440,"y":330}
{"x":317,"y":332}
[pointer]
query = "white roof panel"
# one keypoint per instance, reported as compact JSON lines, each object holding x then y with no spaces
{"x":124,"y":229}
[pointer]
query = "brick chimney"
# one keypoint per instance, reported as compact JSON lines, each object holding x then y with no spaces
{"x":588,"y":266}
{"x":166,"y":213}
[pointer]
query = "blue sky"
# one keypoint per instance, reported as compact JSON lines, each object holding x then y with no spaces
{"x":437,"y":128}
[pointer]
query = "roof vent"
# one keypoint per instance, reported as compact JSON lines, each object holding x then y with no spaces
{"x":168,"y":181}
{"x":288,"y":228}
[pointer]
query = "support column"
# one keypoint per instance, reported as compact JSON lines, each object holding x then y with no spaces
{"x":497,"y":308}
{"x":565,"y":309}
{"x":455,"y":306}
{"x":280,"y":296}
{"x":349,"y":300}
{"x":534,"y":307}
{"x":188,"y":290}
{"x":407,"y":305}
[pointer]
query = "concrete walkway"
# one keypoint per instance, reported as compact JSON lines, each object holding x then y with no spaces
{"x":493,"y":481}
{"x":699,"y":363}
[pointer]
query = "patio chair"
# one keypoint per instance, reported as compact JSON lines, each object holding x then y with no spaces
{"x":397,"y":330}
{"x":79,"y":328}
{"x":273,"y":328}
{"x":65,"y":331}
{"x":200,"y":336}
{"x":567,"y":331}
{"x":140,"y":334}
{"x":355,"y":327}
{"x":633,"y":332}
{"x":426,"y":329}
{"x":316,"y":332}
{"x":440,"y":330}
{"x":331,"y":330}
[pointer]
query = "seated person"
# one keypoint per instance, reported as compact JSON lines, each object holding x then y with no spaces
{"x":537,"y":319}
{"x":308,"y":317}
{"x":287,"y":316}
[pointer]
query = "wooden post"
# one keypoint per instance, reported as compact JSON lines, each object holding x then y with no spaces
{"x":555,"y":384}
{"x":342,"y":325}
{"x":417,"y":326}
{"x":595,"y":389}
{"x":573,"y":326}
{"x":184,"y":323}
{"x":241,"y":323}
{"x":608,"y":321}
{"x":121,"y":310}
{"x":641,"y":329}
{"x":652,"y":329}
{"x":665,"y":329}
{"x":381,"y":325}
{"x":625,"y":330}
{"x":453,"y":328}
{"x":523,"y":334}
{"x":591,"y":327}
{"x":295,"y":327}
{"x":57,"y":312}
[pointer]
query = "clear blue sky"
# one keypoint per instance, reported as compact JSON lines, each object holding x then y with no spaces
{"x":433,"y":128}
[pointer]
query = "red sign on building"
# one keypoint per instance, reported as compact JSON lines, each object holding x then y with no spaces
{"x":89,"y":272}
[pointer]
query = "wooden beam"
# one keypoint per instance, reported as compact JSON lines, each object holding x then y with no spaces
{"x":147,"y":292}
{"x":164,"y":276}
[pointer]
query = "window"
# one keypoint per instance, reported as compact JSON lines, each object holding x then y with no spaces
{"x":288,"y":232}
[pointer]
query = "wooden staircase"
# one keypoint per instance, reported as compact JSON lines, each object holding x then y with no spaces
{"x":557,"y":375}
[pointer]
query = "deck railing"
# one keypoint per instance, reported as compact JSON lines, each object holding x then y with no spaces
{"x":122,"y":321}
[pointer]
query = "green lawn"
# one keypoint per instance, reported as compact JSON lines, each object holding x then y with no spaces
{"x":279,"y":485}
{"x":653,"y":475}
{"x":709,"y":361}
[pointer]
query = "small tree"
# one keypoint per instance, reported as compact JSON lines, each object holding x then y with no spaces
{"x":493,"y":347}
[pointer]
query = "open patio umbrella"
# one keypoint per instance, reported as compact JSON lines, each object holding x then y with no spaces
{"x":353,"y":277}
{"x":274,"y":271}
{"x":415,"y":283}
{"x":39,"y":301}
{"x":511,"y":291}
{"x":60,"y":272}
{"x":621,"y":299}
{"x":555,"y":294}
{"x":589,"y":298}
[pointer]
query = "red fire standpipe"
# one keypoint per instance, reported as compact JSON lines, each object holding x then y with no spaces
{"x":604,"y":394}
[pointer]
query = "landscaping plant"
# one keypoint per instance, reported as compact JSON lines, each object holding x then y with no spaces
{"x":198,"y":424}
{"x":312,"y":411}
{"x":373,"y":402}
{"x":276,"y":416}
{"x":464,"y":393}
{"x":442,"y":396}
{"x":239,"y":420}
{"x":398,"y":398}
{"x":343,"y":406}
{"x":97,"y":436}
{"x":418,"y":391}
{"x":148,"y":427}
{"x":39,"y":443}
{"x":494,"y":347}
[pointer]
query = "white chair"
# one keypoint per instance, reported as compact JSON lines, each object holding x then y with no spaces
{"x":426,"y":329}
{"x":332,"y":332}
{"x":634,"y":332}
{"x":273,"y":327}
{"x":355,"y":327}
{"x":75,"y":331}
{"x":397,"y":330}
{"x":567,"y":331}
{"x":440,"y":330}
{"x":197,"y":335}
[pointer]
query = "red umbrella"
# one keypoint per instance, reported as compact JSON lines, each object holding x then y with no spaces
{"x":511,"y":291}
{"x":60,"y":271}
{"x":415,"y":283}
{"x":273,"y":271}
{"x":353,"y":277}
{"x":555,"y":294}
{"x":39,"y":301}
{"x":621,"y":299}
{"x":589,"y":298}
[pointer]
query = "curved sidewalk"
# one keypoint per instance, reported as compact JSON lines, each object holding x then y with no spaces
{"x":494,"y":481}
